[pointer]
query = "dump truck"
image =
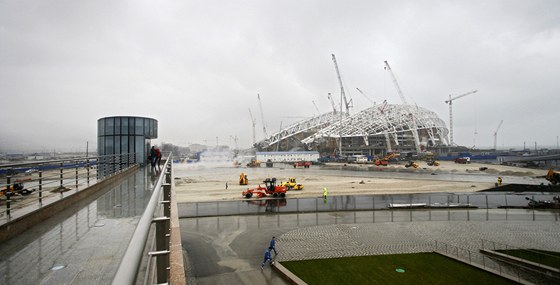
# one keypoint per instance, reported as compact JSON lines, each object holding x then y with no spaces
{"x":292,"y":184}
{"x":270,"y":189}
{"x":304,"y":164}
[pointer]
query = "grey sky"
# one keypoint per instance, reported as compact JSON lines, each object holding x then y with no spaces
{"x":197,"y":66}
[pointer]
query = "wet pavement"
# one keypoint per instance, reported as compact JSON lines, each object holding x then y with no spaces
{"x":81,"y":245}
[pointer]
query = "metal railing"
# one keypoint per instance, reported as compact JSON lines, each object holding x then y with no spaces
{"x":33,"y":185}
{"x":158,"y":212}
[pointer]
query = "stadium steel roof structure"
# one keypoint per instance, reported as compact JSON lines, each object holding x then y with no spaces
{"x":394,"y":122}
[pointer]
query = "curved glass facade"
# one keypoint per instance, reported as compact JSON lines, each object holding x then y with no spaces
{"x":126,"y":135}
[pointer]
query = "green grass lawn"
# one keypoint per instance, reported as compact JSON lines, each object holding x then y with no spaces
{"x":549,"y":258}
{"x":419,"y":268}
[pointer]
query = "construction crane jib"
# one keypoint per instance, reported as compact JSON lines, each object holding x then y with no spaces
{"x":496,"y":134}
{"x":253,"y":123}
{"x":450,"y":102}
{"x":346,"y":102}
{"x":399,"y":91}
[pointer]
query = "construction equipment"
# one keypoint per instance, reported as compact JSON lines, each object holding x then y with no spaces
{"x":254,"y":163}
{"x":413,"y":126}
{"x":304,"y":164}
{"x":544,"y":204}
{"x":270,"y":189}
{"x":269,"y":163}
{"x":463,"y":160}
{"x":292,"y":184}
{"x":450,"y":102}
{"x":411,"y":164}
{"x":496,"y":134}
{"x":332,"y":103}
{"x":262,"y":116}
{"x":243,"y":180}
{"x":348,"y":104}
{"x":553,"y":176}
{"x":14,"y":189}
{"x":430,"y":160}
{"x":381,"y":162}
{"x":253,"y":122}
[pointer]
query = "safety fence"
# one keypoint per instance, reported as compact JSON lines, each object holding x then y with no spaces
{"x":422,"y":204}
{"x":26,"y":187}
{"x":514,"y":271}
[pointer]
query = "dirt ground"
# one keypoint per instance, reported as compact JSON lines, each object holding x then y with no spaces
{"x":197,"y":183}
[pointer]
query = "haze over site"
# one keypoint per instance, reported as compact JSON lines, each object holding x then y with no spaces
{"x":197,"y":66}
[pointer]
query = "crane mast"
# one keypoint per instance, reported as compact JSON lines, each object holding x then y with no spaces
{"x":253,"y":122}
{"x":450,"y":102}
{"x":262,"y":116}
{"x":342,"y":94}
{"x":496,"y":134}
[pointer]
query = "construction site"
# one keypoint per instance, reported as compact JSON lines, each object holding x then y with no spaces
{"x":376,"y":131}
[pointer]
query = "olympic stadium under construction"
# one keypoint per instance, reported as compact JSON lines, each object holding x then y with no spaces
{"x":377,"y":130}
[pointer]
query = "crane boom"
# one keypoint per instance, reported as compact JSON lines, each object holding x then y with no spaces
{"x":399,"y":91}
{"x":332,"y":103}
{"x":342,"y":94}
{"x":262,"y":116}
{"x":253,"y":122}
{"x":362,"y":92}
{"x":496,"y":134}
{"x":318,"y":112}
{"x":450,"y":102}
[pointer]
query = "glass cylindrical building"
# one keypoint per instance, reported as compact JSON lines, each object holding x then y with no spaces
{"x":126,"y":135}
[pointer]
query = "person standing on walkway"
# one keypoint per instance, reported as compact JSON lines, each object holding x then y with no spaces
{"x":273,"y":246}
{"x":152,"y":157}
{"x":158,"y":158}
{"x":325,"y":193}
{"x":267,"y":258}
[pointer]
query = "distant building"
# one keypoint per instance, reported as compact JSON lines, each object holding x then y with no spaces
{"x":126,"y":135}
{"x":288,"y":156}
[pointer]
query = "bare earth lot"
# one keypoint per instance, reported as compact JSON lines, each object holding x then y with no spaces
{"x":200,"y":182}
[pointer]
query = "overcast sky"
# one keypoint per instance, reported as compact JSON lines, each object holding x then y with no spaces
{"x":197,"y":66}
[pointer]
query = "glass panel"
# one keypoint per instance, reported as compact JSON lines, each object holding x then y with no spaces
{"x":117,"y":144}
{"x":140,"y":151}
{"x":108,"y":145}
{"x":117,"y":126}
{"x":124,"y":126}
{"x":131,"y":126}
{"x":145,"y":132}
{"x":101,"y":145}
{"x":139,"y":127}
{"x":101,"y":127}
{"x":109,"y":125}
{"x":124,"y":143}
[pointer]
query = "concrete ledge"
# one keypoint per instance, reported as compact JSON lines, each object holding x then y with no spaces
{"x":287,"y":274}
{"x":177,"y":267}
{"x":549,"y":271}
{"x":17,"y":226}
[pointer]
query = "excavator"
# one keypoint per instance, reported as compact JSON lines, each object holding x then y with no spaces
{"x":16,"y":188}
{"x":292,"y":184}
{"x":411,"y":164}
{"x":243,"y":179}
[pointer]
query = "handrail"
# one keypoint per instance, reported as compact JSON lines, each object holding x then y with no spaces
{"x":128,"y":268}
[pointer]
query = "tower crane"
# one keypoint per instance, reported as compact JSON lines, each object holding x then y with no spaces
{"x":262,"y":116}
{"x":253,"y":122}
{"x":332,"y":103}
{"x":348,"y":104}
{"x":496,"y":134}
{"x":450,"y":102}
{"x":413,"y":126}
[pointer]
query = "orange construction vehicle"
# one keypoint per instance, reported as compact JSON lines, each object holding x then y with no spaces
{"x":381,"y":162}
{"x":553,"y":176}
{"x":243,"y":179}
{"x":304,"y":164}
{"x":270,"y":189}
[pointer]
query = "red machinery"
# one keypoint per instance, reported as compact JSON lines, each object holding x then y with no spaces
{"x":304,"y":164}
{"x":270,"y":189}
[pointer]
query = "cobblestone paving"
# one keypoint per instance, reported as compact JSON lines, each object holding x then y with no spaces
{"x":406,"y":237}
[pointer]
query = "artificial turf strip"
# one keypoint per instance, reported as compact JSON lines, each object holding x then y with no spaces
{"x":549,"y":258}
{"x":419,"y":268}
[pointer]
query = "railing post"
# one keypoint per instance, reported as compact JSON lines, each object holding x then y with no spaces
{"x":8,"y":195}
{"x":87,"y":170}
{"x":76,"y":177}
{"x":40,"y":188}
{"x":61,"y":176}
{"x":162,"y":249}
